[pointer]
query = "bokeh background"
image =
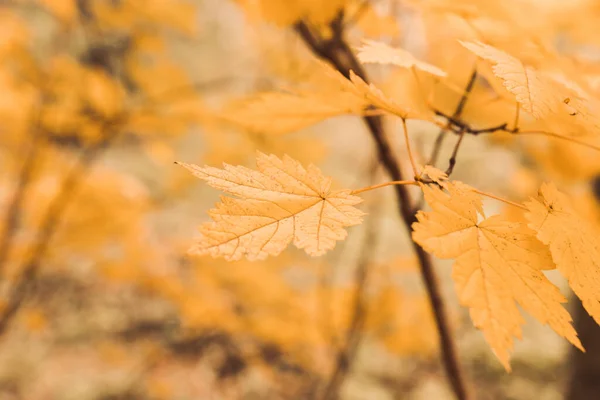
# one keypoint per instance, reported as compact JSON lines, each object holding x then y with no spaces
{"x":100,"y":301}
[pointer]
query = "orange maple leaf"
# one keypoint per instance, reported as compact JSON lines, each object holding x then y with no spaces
{"x":572,"y":241}
{"x":377,"y":52}
{"x":531,"y":90}
{"x":498,"y":264}
{"x":280,"y":203}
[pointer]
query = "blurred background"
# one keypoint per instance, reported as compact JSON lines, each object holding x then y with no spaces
{"x":99,"y":300}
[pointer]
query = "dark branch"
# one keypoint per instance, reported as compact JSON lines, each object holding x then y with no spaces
{"x":452,"y":161}
{"x":465,"y":96}
{"x":458,"y":126}
{"x":339,"y":54}
{"x":455,"y":116}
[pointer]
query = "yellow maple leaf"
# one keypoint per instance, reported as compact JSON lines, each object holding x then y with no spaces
{"x":530,"y":89}
{"x":572,"y":241}
{"x":280,"y":203}
{"x":376,"y":98}
{"x":433,"y":173}
{"x":284,"y":112}
{"x":378,"y":52}
{"x":281,"y":112}
{"x":240,"y":147}
{"x":498,"y":264}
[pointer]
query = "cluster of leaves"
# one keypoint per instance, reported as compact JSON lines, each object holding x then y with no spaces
{"x":499,"y":260}
{"x":93,"y":95}
{"x":522,"y":87}
{"x":98,"y":101}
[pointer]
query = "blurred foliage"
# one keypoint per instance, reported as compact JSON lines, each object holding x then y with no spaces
{"x":99,"y":298}
{"x":97,"y":103}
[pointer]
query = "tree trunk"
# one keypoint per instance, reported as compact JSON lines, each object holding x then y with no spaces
{"x":584,"y":382}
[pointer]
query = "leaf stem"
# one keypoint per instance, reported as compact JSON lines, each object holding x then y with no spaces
{"x":410,"y":154}
{"x":493,"y":196}
{"x":373,"y":187}
{"x":559,"y":136}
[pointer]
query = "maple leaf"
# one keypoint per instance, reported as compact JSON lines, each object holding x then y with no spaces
{"x":572,"y":241}
{"x":498,"y":264}
{"x":281,"y":112}
{"x":531,"y":90}
{"x":577,"y":112}
{"x":433,"y":173}
{"x":377,"y":52}
{"x":279,"y":203}
{"x":284,"y":112}
{"x":376,"y":98}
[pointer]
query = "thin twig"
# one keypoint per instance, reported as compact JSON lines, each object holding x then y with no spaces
{"x":339,"y":54}
{"x":437,"y":146}
{"x":456,"y":115}
{"x":452,"y":161}
{"x":491,"y":129}
{"x":465,"y":96}
{"x":458,"y":126}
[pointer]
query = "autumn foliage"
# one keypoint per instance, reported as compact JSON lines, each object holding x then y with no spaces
{"x":356,"y":144}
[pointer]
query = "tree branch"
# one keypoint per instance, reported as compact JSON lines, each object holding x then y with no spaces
{"x":13,"y":211}
{"x":456,"y":115}
{"x":338,"y":53}
{"x":452,"y":161}
{"x":49,"y":225}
